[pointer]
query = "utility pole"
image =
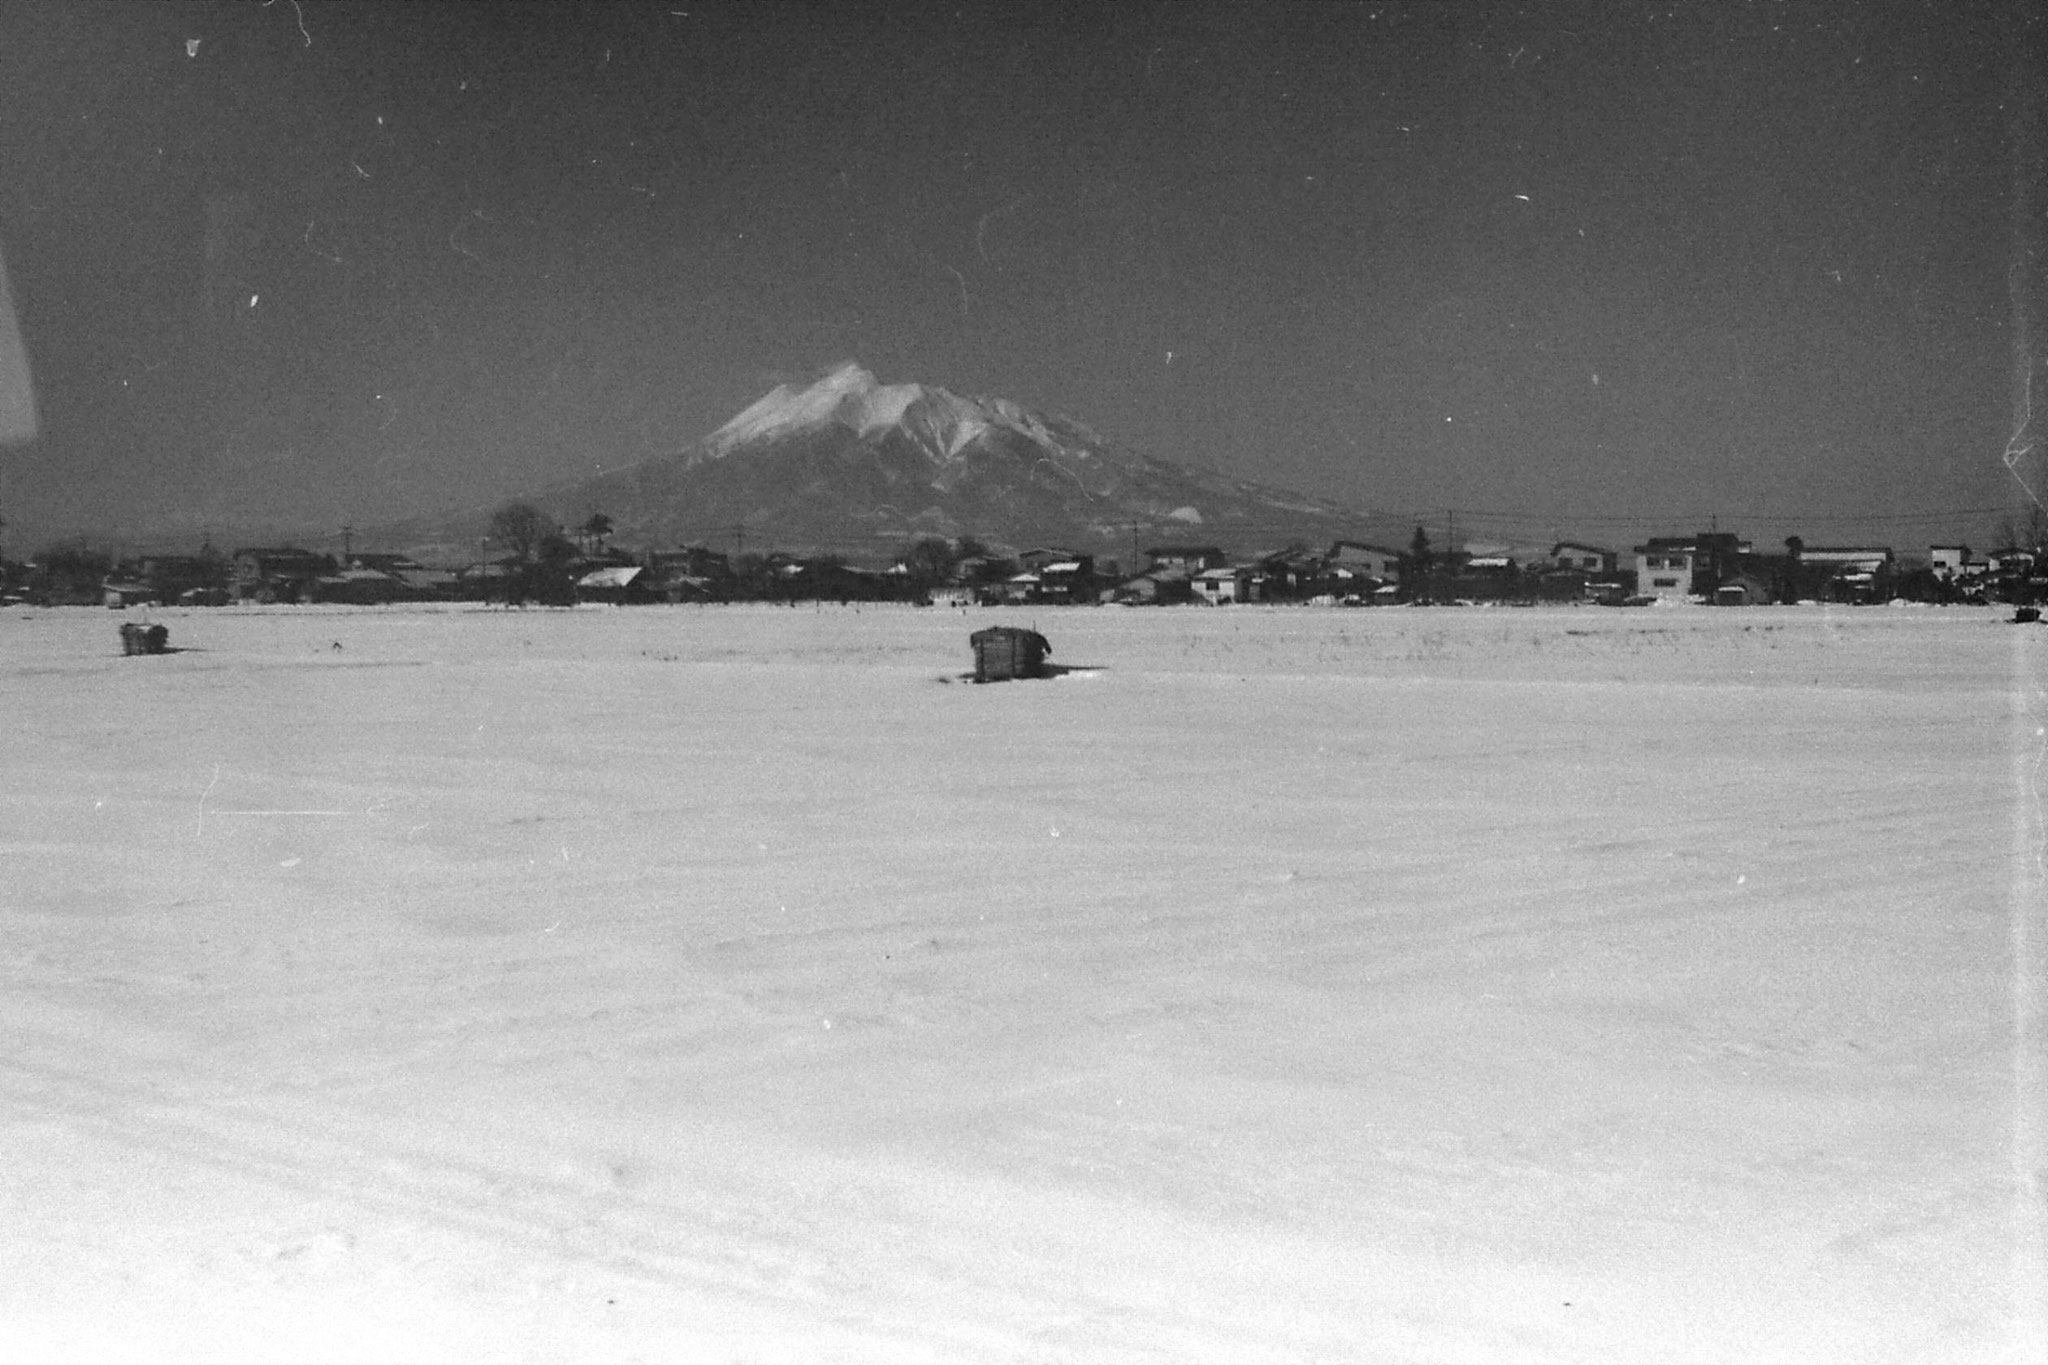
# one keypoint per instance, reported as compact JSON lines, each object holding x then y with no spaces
{"x":739,"y":539}
{"x":2022,"y":274}
{"x":347,"y":545}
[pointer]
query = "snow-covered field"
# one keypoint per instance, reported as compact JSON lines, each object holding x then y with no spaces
{"x":1277,"y":986}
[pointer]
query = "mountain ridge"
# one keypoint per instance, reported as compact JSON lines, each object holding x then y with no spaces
{"x":850,"y":465}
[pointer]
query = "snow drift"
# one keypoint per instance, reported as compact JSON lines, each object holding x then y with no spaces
{"x":734,"y":984}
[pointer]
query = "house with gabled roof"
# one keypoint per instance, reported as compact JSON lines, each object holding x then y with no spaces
{"x":1189,"y":559}
{"x":278,"y":574}
{"x":1851,"y":573}
{"x":1160,"y":587}
{"x":383,"y":562}
{"x":1017,"y":588}
{"x":1863,"y":559}
{"x":617,"y":584}
{"x":1290,"y":574}
{"x":359,"y":587}
{"x":1591,"y":559}
{"x":1037,"y":558}
{"x":1361,"y":557}
{"x":1067,"y":580}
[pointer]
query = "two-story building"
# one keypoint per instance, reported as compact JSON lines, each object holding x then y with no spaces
{"x":1188,"y":559}
{"x":1221,"y":586}
{"x":1364,"y":559}
{"x":1681,"y":568}
{"x":1949,"y":562}
{"x":1664,"y":568}
{"x":694,"y":573}
{"x":278,"y":574}
{"x":1289,"y":574}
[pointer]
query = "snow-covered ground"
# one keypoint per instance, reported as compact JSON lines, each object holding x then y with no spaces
{"x":1277,"y":986}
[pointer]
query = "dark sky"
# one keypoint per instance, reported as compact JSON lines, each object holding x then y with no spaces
{"x":1594,"y":269}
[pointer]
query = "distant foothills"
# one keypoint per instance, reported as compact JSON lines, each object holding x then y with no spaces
{"x":849,"y":489}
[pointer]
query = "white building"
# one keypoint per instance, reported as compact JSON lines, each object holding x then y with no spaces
{"x":1664,"y":570}
{"x":1219,"y":586}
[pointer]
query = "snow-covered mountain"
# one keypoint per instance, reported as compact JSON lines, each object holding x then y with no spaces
{"x":854,"y":466}
{"x":942,"y":422}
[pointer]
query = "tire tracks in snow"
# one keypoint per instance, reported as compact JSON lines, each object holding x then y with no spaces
{"x":971,"y":1287}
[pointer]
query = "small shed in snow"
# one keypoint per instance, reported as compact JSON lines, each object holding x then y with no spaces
{"x":137,"y":638}
{"x":1005,"y":652}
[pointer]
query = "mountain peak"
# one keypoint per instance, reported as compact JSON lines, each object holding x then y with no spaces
{"x":849,"y":463}
{"x":939,"y":421}
{"x":786,"y":408}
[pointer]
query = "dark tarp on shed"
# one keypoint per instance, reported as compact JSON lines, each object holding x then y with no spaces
{"x":1002,"y":652}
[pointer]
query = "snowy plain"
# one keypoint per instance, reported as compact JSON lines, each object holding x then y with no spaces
{"x":1278,"y":985}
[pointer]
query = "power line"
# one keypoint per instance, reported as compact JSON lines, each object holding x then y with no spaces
{"x":1641,"y":518}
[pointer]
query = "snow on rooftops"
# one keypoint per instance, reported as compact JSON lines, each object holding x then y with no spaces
{"x":1846,"y":554}
{"x":618,"y":576}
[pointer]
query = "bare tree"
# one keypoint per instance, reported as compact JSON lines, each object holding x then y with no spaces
{"x":540,"y":553}
{"x":2025,"y":532}
{"x":520,"y":527}
{"x":929,"y":561}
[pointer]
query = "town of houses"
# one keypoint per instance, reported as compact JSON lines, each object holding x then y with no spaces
{"x":1708,"y":568}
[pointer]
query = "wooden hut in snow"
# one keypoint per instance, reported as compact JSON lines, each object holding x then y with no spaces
{"x":1005,"y":652}
{"x":137,"y":638}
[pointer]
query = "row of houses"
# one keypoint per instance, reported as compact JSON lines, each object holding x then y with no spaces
{"x":1348,"y":571}
{"x":1722,"y":568}
{"x":1354,"y":572}
{"x":1714,"y":566}
{"x":294,"y":575}
{"x":288,"y":574}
